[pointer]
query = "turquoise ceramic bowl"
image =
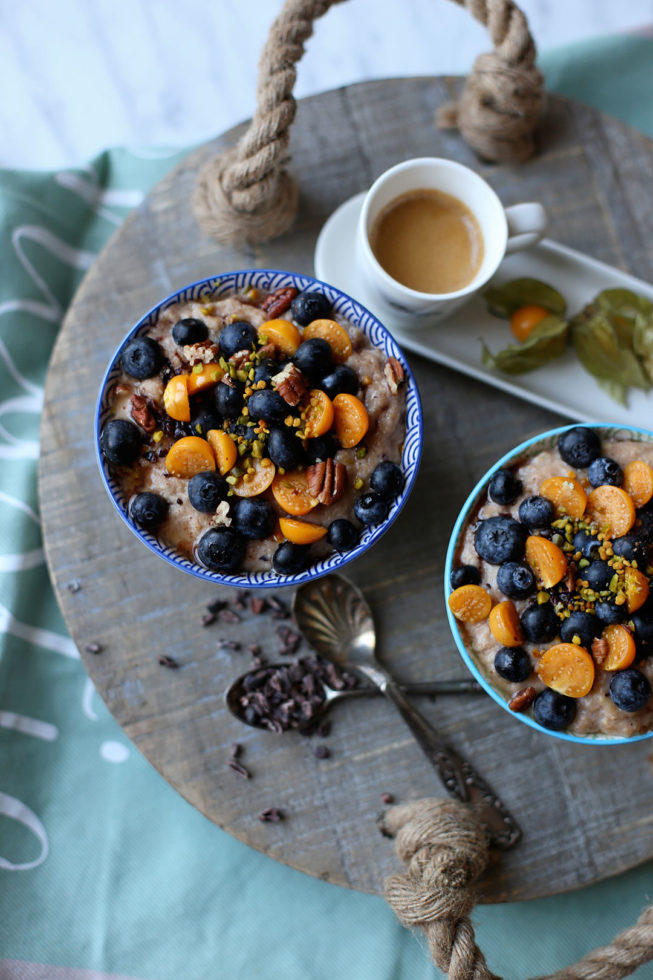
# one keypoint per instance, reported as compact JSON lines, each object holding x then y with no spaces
{"x":526,"y":450}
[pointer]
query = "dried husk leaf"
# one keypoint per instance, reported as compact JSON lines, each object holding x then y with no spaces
{"x":599,"y":350}
{"x":546,"y":341}
{"x":503,"y":300}
{"x":643,"y":341}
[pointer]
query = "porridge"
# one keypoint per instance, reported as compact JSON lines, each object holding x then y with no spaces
{"x":550,"y":584}
{"x":256,"y":430}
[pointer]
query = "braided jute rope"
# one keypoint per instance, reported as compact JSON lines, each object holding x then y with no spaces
{"x":246,"y":194}
{"x":445,"y":850}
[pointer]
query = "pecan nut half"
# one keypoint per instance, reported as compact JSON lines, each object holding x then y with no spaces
{"x":291,"y":384}
{"x":278,"y":302}
{"x":203,"y":352}
{"x":327,"y":481}
{"x":521,"y":700}
{"x":600,"y":650}
{"x":394,"y":374}
{"x":141,"y":414}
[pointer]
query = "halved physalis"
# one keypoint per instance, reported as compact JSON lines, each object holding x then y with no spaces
{"x":470,"y":603}
{"x":504,"y":624}
{"x":546,"y":559}
{"x":621,"y":647}
{"x":290,"y":490}
{"x":301,"y":532}
{"x":175,"y":398}
{"x":525,"y":319}
{"x":566,"y":494}
{"x":568,"y":669}
{"x":189,"y":456}
{"x":351,"y":420}
{"x":637,"y":588}
{"x":319,"y":414}
{"x":283,"y":334}
{"x":203,"y":377}
{"x":638,"y":482}
{"x":224,"y":447}
{"x":611,"y":509}
{"x":256,"y":479}
{"x":334,"y":334}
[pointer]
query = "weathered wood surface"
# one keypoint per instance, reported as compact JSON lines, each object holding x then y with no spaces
{"x":585,"y":811}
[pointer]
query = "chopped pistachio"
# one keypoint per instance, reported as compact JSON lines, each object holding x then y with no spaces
{"x":358,"y":483}
{"x":157,"y":436}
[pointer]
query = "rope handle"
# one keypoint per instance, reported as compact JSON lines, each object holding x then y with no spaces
{"x":246,"y":194}
{"x":444,"y":847}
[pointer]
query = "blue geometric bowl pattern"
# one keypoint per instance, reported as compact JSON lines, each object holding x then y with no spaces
{"x":269,"y":279}
{"x":546,"y":441}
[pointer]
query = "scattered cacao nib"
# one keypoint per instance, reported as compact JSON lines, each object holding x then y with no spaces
{"x":226,"y":644}
{"x":254,"y":649}
{"x":321,"y":752}
{"x":240,"y":602}
{"x":167,"y":661}
{"x":323,"y":730}
{"x":238,"y":769}
{"x":217,"y":605}
{"x":290,"y":640}
{"x":93,"y":648}
{"x":228,"y":616}
{"x":73,"y":586}
{"x":208,"y":618}
{"x":387,"y":798}
{"x":521,"y":700}
{"x":235,"y":750}
{"x":257,"y":605}
{"x":270,"y":815}
{"x":279,"y":608}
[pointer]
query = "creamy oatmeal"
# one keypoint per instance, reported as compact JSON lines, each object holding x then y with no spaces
{"x":551,"y":585}
{"x":256,"y":431}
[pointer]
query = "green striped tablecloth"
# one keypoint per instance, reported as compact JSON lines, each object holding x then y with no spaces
{"x":104,"y":869}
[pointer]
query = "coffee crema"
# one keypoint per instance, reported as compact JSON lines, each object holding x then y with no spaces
{"x":429,"y":241}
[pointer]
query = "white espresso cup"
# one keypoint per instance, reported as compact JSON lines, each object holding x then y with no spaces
{"x":503,"y":230}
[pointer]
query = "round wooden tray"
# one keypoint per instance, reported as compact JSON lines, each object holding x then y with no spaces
{"x":585,"y":811}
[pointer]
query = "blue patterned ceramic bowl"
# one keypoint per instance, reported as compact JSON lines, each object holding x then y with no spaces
{"x":527,"y":450}
{"x":268,"y":280}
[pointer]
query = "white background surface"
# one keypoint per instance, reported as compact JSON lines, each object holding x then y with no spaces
{"x":78,"y":76}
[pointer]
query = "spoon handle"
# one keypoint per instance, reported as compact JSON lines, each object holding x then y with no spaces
{"x":459,"y":777}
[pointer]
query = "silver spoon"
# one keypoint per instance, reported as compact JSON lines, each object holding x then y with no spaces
{"x":237,"y":695}
{"x":337,"y":622}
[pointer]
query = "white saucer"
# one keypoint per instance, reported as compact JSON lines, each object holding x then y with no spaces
{"x":563,"y":386}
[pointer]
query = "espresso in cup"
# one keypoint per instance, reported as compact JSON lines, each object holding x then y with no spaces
{"x":429,"y":241}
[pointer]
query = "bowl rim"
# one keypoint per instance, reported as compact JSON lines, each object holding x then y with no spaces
{"x":411,"y":451}
{"x":597,"y":738}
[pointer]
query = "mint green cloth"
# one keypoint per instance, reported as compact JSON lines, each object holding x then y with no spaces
{"x":103,"y":867}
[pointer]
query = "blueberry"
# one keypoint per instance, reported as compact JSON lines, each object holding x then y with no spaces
{"x":513,"y":664}
{"x":630,"y":689}
{"x":343,"y":380}
{"x":553,"y":710}
{"x":206,"y":420}
{"x":290,"y":559}
{"x":241,"y":430}
{"x":536,"y":512}
{"x":206,"y":490}
{"x":605,"y":470}
{"x":642,"y":621}
{"x":236,"y":336}
{"x":371,"y":509}
{"x":645,"y":519}
{"x":499,"y":539}
{"x":253,"y":518}
{"x":284,"y":448}
{"x":310,"y":306}
{"x":579,"y":446}
{"x":598,"y":575}
{"x":268,"y":405}
{"x":148,"y":509}
{"x":228,"y":400}
{"x":321,"y":448}
{"x":539,"y":623}
{"x":342,"y":535}
{"x":632,"y":546}
{"x":313,"y":357}
{"x":142,"y":358}
{"x":387,"y":479}
{"x":587,"y":544}
{"x":504,"y":487}
{"x":464,"y":575}
{"x":609,"y":612}
{"x":120,"y":442}
{"x":190,"y":330}
{"x":515,"y":579}
{"x":267,"y":369}
{"x":221,"y":549}
{"x":584,"y":625}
